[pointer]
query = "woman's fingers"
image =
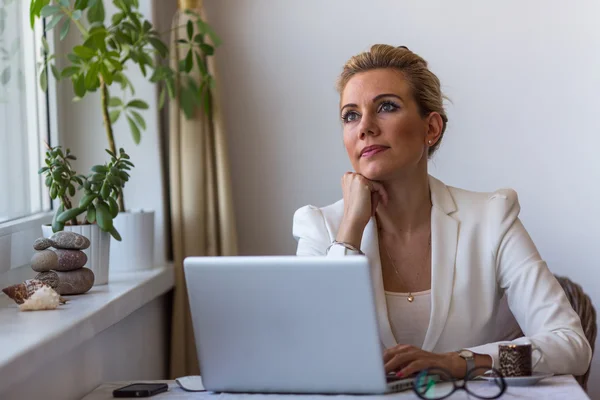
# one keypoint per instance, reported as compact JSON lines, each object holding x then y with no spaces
{"x":380,"y":189}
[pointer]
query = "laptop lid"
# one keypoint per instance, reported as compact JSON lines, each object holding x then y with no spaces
{"x":285,"y":324}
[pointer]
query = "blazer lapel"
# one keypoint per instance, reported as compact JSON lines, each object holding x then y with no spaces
{"x":444,"y":239}
{"x":370,"y":246}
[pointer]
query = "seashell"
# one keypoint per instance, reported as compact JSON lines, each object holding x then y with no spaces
{"x":44,"y":298}
{"x":22,"y":292}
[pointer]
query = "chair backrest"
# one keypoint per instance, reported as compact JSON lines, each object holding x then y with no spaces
{"x":582,"y":304}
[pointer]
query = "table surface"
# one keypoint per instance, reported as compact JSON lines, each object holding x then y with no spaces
{"x":557,"y":387}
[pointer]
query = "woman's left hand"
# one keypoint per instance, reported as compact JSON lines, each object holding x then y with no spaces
{"x":407,"y":360}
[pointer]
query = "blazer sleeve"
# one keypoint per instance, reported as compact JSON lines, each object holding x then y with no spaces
{"x":314,"y":236}
{"x":535,"y":297}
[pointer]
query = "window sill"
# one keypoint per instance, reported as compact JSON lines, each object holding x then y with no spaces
{"x":31,"y":339}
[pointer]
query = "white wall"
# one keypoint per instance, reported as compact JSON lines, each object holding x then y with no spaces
{"x":81,"y":128}
{"x":524,"y":79}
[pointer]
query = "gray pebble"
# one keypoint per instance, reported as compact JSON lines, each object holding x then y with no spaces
{"x":69,"y":240}
{"x":50,"y":278}
{"x":75,"y":282}
{"x":69,"y":260}
{"x":42,"y":243}
{"x":44,"y":260}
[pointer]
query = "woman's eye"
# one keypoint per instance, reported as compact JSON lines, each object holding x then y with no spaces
{"x":387,"y":107}
{"x":350,"y":116}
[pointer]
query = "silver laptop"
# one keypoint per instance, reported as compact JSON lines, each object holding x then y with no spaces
{"x":286,"y":324}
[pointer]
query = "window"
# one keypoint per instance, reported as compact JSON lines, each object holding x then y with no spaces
{"x":23,"y":115}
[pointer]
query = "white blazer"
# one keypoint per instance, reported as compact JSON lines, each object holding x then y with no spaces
{"x":480,"y":251}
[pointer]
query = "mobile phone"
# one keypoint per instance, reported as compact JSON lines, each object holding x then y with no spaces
{"x":141,"y":390}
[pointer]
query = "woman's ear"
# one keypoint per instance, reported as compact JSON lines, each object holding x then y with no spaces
{"x":435,"y":124}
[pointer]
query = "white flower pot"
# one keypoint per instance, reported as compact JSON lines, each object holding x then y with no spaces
{"x":98,"y":253}
{"x":135,"y":251}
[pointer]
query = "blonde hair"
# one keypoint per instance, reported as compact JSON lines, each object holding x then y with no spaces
{"x":425,"y":85}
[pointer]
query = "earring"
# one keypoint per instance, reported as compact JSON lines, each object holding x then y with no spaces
{"x":429,"y":142}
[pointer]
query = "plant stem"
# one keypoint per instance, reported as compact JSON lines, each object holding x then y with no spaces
{"x":78,"y":24}
{"x":109,"y":131}
{"x":67,"y":206}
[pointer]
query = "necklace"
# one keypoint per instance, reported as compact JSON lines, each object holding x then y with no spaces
{"x":410,"y":297}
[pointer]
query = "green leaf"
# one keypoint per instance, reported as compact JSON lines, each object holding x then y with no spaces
{"x":96,"y":12}
{"x":91,"y":214}
{"x":64,"y":31}
{"x":87,"y":200}
{"x":64,"y":3}
{"x":69,"y":72}
{"x":110,"y":153}
{"x":207,"y":49}
{"x":115,"y":234}
{"x":45,"y":45}
{"x":84,"y":52}
{"x":81,"y":4}
{"x":190,"y":30}
{"x":69,"y":214}
{"x":76,"y":15}
{"x":35,"y":9}
{"x":71,"y":190}
{"x":48,"y":11}
{"x":5,"y":76}
{"x":158,"y":44}
{"x":135,"y":131}
{"x":115,"y":102}
{"x":73,"y":58}
{"x":199,"y":38}
{"x":105,"y":190}
{"x":55,"y":72}
{"x":79,"y":85}
{"x":103,"y":169}
{"x":44,"y":80}
{"x":189,"y":61}
{"x":113,"y":207}
{"x":138,"y":104}
{"x":201,"y":64}
{"x":139,"y":119}
{"x":114,"y":116}
{"x":91,"y":77}
{"x":54,"y":22}
{"x":116,"y":18}
{"x":103,"y":216}
{"x":99,"y":177}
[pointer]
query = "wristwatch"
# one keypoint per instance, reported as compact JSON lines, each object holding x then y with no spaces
{"x":469,"y":357}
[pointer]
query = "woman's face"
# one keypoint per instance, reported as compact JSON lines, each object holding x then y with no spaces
{"x":384,"y":134}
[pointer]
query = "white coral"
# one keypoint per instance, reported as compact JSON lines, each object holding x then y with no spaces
{"x":44,"y":298}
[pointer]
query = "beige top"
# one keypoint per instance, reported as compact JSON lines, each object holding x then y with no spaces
{"x":409,"y":321}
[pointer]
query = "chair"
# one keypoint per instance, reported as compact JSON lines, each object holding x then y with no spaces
{"x":582,"y":304}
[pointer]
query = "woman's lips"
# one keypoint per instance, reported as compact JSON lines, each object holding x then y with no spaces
{"x":372,"y":150}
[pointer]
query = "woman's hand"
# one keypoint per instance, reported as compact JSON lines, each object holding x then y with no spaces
{"x":361,"y":198}
{"x":407,"y":360}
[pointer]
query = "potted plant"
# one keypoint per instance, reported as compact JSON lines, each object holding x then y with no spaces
{"x":98,"y":206}
{"x":100,"y":64}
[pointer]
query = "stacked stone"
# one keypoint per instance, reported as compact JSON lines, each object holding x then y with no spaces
{"x":59,"y":261}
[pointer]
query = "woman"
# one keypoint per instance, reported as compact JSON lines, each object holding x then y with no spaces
{"x":441,"y":258}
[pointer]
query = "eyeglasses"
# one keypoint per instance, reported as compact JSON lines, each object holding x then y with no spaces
{"x":437,"y":383}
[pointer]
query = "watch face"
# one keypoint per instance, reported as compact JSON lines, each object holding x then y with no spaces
{"x":466,"y":353}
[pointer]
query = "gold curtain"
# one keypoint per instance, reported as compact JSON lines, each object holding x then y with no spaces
{"x":201,"y":209}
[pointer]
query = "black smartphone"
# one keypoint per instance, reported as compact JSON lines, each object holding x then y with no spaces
{"x":141,"y":390}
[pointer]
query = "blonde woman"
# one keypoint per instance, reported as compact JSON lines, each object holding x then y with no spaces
{"x":441,"y":257}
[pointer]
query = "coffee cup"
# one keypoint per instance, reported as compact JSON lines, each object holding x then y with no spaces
{"x":516,"y":359}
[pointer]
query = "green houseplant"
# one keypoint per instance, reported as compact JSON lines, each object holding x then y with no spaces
{"x":110,"y":50}
{"x":102,"y":186}
{"x":107,"y":50}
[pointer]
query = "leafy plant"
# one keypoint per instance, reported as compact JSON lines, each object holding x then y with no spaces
{"x":8,"y":52}
{"x":102,"y":187}
{"x":108,"y":49}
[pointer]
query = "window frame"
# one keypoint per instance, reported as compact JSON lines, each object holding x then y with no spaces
{"x":43,"y":126}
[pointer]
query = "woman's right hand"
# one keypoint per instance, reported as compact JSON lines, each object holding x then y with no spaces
{"x":361,"y":198}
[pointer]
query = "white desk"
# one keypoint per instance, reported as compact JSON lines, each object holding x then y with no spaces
{"x":558,"y":387}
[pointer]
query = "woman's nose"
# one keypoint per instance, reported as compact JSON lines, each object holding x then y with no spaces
{"x":367,"y":127}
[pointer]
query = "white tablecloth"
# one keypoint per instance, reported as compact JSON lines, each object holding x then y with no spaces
{"x":558,"y":387}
